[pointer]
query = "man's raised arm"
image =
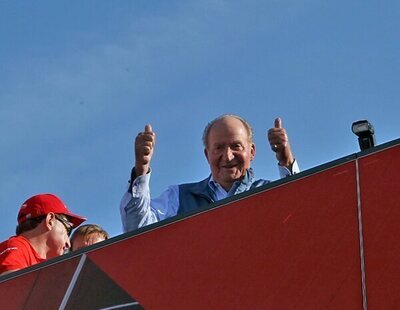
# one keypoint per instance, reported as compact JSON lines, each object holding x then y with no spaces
{"x":135,"y":206}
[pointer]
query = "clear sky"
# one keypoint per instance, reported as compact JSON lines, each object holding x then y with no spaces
{"x":79,"y":80}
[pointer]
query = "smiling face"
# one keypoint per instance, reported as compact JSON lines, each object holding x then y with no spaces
{"x":229,"y":151}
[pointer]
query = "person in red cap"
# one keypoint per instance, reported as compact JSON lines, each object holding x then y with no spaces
{"x":44,"y":226}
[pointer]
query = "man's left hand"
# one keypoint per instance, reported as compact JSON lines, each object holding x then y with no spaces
{"x":279,"y":143}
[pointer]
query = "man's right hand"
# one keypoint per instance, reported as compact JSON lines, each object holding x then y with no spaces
{"x":144,"y":147}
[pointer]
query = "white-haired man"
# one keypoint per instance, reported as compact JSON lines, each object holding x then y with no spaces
{"x":229,"y":149}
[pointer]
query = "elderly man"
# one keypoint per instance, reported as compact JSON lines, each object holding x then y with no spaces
{"x":229,"y":149}
{"x":44,"y":226}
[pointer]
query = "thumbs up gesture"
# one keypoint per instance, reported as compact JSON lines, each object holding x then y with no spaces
{"x":279,"y":143}
{"x":144,"y":148}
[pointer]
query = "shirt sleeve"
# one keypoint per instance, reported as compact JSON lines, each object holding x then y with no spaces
{"x":285,"y":171}
{"x":137,"y":209}
{"x":12,"y":258}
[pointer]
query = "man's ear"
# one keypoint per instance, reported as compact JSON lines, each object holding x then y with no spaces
{"x":206,"y":154}
{"x":50,"y":221}
{"x":252,"y":151}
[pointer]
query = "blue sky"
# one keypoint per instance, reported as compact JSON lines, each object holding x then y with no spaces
{"x":79,"y":80}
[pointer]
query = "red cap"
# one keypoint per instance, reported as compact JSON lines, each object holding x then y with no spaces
{"x":43,"y":204}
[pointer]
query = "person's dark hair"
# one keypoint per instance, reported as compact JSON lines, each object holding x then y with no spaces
{"x":210,"y":124}
{"x":29,"y":224}
{"x":89,"y":229}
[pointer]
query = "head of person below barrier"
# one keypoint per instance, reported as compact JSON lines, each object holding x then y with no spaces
{"x":86,"y":235}
{"x":44,"y":226}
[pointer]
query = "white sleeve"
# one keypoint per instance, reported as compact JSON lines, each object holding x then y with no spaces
{"x":284,"y":171}
{"x":137,"y":209}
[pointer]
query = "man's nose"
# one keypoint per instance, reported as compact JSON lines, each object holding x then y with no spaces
{"x":228,"y":154}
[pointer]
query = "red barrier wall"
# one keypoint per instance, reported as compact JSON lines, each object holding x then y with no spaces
{"x":380,"y":185}
{"x":291,"y":246}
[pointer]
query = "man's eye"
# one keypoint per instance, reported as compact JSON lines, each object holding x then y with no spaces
{"x":237,"y":147}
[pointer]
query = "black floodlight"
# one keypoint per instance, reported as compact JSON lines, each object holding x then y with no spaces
{"x":365,"y":132}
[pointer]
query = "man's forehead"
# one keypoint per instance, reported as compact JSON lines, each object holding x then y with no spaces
{"x":95,"y":236}
{"x":225,"y":140}
{"x":228,"y":129}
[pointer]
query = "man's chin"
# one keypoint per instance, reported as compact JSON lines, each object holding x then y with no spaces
{"x":233,"y":177}
{"x":230,"y":171}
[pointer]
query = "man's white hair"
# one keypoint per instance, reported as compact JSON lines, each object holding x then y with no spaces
{"x":207,"y":129}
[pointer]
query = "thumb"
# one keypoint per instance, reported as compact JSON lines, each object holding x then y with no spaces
{"x":278,"y":122}
{"x":148,"y":128}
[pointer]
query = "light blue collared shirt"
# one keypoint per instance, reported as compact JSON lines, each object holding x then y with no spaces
{"x":138,"y":209}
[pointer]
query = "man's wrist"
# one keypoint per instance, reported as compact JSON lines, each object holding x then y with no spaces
{"x":138,"y":172}
{"x":141,"y":169}
{"x":293,"y":168}
{"x":288,"y":164}
{"x":138,"y":181}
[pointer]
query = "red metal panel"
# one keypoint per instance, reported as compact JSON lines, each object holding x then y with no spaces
{"x":379,"y":180}
{"x":292,"y":247}
{"x":41,"y":289}
{"x":13,"y":293}
{"x":51,"y":285}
